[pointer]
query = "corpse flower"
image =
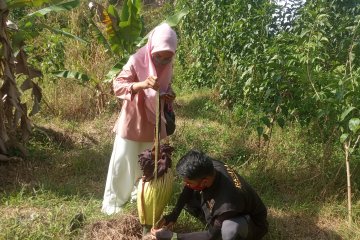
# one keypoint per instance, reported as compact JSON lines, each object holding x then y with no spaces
{"x":147,"y":162}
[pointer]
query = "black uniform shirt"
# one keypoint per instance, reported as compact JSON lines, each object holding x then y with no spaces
{"x":229,"y":196}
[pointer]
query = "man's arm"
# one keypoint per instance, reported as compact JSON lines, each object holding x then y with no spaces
{"x":214,"y":231}
{"x":184,"y":197}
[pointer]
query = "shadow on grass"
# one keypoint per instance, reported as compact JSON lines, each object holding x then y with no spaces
{"x":62,"y":139}
{"x":198,"y":107}
{"x":282,"y":226}
{"x":297,"y":226}
{"x":289,"y":216}
{"x":82,"y":172}
{"x":63,"y":166}
{"x":59,"y":163}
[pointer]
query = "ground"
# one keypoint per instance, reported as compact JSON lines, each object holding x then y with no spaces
{"x":56,"y":192}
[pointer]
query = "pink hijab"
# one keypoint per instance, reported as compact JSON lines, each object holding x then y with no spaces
{"x":161,"y":38}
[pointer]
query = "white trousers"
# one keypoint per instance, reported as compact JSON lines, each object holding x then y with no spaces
{"x":123,"y":174}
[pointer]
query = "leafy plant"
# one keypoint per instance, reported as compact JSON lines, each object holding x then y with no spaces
{"x":124,"y":31}
{"x":285,"y":65}
{"x":121,"y":33}
{"x":14,"y":113}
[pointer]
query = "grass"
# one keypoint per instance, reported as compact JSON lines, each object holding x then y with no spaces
{"x":66,"y":171}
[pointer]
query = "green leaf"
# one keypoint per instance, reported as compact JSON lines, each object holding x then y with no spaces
{"x":111,"y":23}
{"x":343,"y":137}
{"x":260,"y":130}
{"x":143,"y":40}
{"x":83,"y":78}
{"x":125,"y":12}
{"x":354,"y":124}
{"x":113,"y":12}
{"x":324,"y":39}
{"x":66,"y":6}
{"x":28,"y":24}
{"x":60,"y":32}
{"x":346,"y":112}
{"x":281,"y":122}
{"x":130,"y":25}
{"x":172,"y":21}
{"x":25,"y":3}
{"x":20,"y":36}
{"x":176,"y":18}
{"x":304,"y":32}
{"x":266,"y":137}
{"x":115,"y":69}
{"x":266,"y":121}
{"x":322,"y":16}
{"x":100,"y":36}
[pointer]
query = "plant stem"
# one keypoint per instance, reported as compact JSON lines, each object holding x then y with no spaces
{"x":347,"y":159}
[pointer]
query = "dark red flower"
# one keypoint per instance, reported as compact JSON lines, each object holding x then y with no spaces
{"x":147,"y":161}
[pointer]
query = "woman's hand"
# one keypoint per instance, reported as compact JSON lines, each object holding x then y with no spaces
{"x":150,"y":82}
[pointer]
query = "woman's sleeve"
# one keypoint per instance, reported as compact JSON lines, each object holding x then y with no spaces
{"x":123,"y":82}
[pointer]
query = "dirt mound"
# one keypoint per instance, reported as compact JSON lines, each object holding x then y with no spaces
{"x":127,"y":227}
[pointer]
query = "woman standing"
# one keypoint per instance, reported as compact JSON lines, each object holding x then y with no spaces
{"x":148,"y":70}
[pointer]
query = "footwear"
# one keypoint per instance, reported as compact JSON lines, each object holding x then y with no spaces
{"x":109,"y":210}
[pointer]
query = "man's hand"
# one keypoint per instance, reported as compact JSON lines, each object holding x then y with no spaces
{"x":163,"y":224}
{"x":161,"y":234}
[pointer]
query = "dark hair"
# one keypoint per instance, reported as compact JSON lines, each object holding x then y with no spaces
{"x":195,"y":165}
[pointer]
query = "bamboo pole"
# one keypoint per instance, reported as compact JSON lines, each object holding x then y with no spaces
{"x":157,"y":149}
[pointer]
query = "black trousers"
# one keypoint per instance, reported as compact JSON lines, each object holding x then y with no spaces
{"x":238,"y":228}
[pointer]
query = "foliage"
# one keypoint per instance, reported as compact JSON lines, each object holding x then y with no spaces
{"x":14,"y":113}
{"x":68,"y":163}
{"x":298,"y":77}
{"x":120,"y":34}
{"x":122,"y":29}
{"x":227,"y":53}
{"x":303,"y":68}
{"x":124,"y":32}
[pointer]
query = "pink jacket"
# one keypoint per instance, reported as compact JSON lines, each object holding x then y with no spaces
{"x":133,"y":123}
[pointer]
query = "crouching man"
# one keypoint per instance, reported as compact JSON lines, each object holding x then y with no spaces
{"x":220,"y":198}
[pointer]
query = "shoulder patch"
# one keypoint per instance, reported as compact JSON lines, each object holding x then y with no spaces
{"x":233,"y":175}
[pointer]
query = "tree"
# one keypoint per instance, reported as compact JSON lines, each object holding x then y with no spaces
{"x":301,"y":66}
{"x":15,"y":124}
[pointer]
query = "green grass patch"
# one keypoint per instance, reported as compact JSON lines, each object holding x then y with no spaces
{"x":66,"y":172}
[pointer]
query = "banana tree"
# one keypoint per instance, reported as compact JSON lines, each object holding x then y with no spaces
{"x":14,"y":116}
{"x":124,"y":30}
{"x":121,"y":33}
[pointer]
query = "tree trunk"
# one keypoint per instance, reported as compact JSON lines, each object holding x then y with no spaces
{"x":347,"y":159}
{"x":11,"y":110}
